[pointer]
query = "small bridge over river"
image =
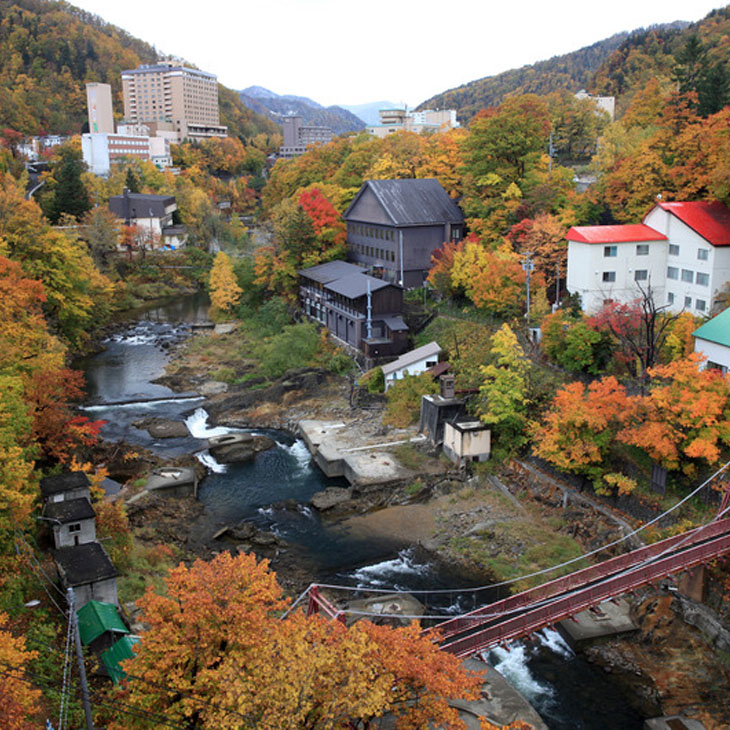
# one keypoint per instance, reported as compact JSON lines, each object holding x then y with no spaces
{"x":529,"y":611}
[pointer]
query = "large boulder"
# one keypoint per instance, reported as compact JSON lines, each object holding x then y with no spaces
{"x":330,"y":497}
{"x":163,"y":428}
{"x":235,"y":447}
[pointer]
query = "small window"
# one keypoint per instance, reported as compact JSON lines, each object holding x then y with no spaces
{"x":670,"y":298}
{"x":688,"y":276}
{"x":700,"y":305}
{"x":688,"y":301}
{"x":609,"y":276}
{"x":610,"y":251}
{"x":76,"y":527}
{"x":673,"y":249}
{"x":703,"y":279}
{"x":641,"y":275}
{"x":642,"y":249}
{"x":672,"y":272}
{"x":703,"y":254}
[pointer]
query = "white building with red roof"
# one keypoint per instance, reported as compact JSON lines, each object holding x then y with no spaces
{"x":681,"y":249}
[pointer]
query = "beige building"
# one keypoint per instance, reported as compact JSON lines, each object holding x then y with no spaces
{"x":99,"y":105}
{"x":401,"y":120}
{"x":170,"y":92}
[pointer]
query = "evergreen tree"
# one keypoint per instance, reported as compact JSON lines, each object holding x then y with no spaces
{"x":69,"y":193}
{"x":131,"y":181}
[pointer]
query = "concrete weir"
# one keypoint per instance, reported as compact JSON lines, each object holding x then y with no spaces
{"x":343,"y":450}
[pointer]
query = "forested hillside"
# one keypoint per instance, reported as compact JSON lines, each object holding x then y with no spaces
{"x":49,"y":50}
{"x":572,"y":72}
{"x":619,"y":66}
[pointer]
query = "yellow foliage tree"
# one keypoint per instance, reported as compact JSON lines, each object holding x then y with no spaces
{"x":18,"y":700}
{"x":224,"y":289}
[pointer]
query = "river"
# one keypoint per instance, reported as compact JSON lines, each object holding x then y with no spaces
{"x":274,"y":490}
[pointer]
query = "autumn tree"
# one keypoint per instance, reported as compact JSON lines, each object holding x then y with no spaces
{"x":224,"y":289}
{"x":102,"y":230}
{"x":581,"y":425}
{"x":19,"y":701}
{"x":640,"y":327}
{"x":403,"y":399}
{"x":685,"y":414}
{"x":503,"y":392}
{"x":218,"y":655}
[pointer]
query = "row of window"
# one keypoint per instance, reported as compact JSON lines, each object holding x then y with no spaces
{"x":688,"y":276}
{"x":375,"y":253}
{"x":642,"y":249}
{"x":700,"y":304}
{"x":372,"y":232}
{"x":639,"y":275}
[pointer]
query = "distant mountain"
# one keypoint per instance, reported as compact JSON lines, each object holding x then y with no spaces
{"x":49,"y":50}
{"x":275,"y":106}
{"x":369,"y":112}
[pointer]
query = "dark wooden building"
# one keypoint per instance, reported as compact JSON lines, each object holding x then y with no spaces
{"x":394,"y":226}
{"x":360,"y":310}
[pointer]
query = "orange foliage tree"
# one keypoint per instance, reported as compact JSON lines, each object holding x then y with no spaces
{"x":18,"y":700}
{"x":218,"y":655}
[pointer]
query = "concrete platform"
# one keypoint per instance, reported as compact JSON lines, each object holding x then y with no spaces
{"x":672,"y":722}
{"x":342,"y":449}
{"x":173,"y":481}
{"x":607,"y":619}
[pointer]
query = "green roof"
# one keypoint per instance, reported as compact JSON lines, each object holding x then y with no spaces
{"x":95,"y":618}
{"x":716,"y":330}
{"x":118,"y":652}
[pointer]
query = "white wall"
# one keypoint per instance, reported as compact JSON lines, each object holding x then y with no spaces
{"x":416,"y":368}
{"x":718,"y":354}
{"x":587,"y":264}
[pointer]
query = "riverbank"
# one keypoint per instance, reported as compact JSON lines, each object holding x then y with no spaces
{"x":496,"y":524}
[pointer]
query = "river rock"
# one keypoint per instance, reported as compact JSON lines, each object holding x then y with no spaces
{"x":163,"y":428}
{"x":235,"y":447}
{"x":330,"y":497}
{"x":243,"y":531}
{"x":213,"y":387}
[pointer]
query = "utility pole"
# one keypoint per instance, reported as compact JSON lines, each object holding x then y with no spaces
{"x":80,"y":658}
{"x":557,"y":285}
{"x":528,"y":267}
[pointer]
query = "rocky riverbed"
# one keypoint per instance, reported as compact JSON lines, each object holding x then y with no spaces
{"x":475,"y":525}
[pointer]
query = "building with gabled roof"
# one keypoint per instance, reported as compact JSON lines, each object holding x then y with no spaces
{"x":89,"y":571}
{"x":394,"y":227}
{"x":681,"y":250}
{"x":713,"y":341}
{"x":113,"y":657}
{"x":67,"y":485}
{"x":414,"y":363}
{"x":100,"y":625}
{"x":363,"y":312}
{"x":72,"y":521}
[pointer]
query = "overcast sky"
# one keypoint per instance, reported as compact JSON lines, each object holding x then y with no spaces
{"x":346,"y":52}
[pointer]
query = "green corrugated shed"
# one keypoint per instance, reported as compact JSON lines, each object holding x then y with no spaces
{"x":118,"y":652}
{"x":716,"y":330}
{"x":96,"y":617}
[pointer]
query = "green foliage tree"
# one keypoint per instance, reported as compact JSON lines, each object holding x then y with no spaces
{"x":503,"y":393}
{"x":403,"y":399}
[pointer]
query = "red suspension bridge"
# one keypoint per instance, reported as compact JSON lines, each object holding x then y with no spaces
{"x":529,"y":611}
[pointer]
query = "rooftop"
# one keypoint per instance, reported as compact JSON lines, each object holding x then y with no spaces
{"x":432,"y":349}
{"x":356,"y":285}
{"x":118,"y":652}
{"x":411,"y":202}
{"x":97,"y":617}
{"x":710,"y":220}
{"x":332,"y":270}
{"x":85,"y":563}
{"x":70,"y":510}
{"x":716,"y":330}
{"x":64,"y":483}
{"x":631,"y":232}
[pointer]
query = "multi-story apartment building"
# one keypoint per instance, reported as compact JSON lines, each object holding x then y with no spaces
{"x":171,"y":92}
{"x":99,"y":106}
{"x":298,"y":136}
{"x":681,"y":250}
{"x":101,"y":150}
{"x":401,"y":120}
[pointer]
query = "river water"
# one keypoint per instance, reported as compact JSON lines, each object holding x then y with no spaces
{"x":273,"y":491}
